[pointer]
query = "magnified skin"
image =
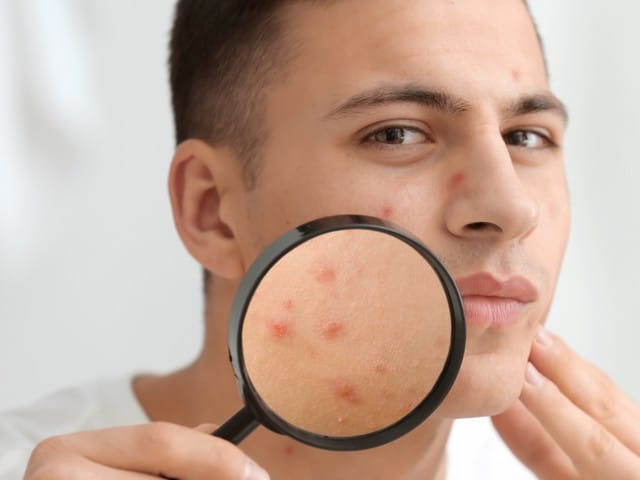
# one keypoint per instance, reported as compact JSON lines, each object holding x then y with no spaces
{"x":347,"y":333}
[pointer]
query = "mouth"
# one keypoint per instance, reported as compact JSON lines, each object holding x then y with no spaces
{"x":491,"y":302}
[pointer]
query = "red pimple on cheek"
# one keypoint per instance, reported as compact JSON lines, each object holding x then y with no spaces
{"x":331,"y":330}
{"x":346,"y":391}
{"x":288,"y":450}
{"x":456,"y":180}
{"x":386,"y":211}
{"x":278,"y":327}
{"x":516,"y":75}
{"x":324,"y":274}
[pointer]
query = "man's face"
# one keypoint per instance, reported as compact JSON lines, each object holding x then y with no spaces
{"x":436,"y":115}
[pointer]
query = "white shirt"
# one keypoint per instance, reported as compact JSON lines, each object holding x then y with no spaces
{"x":475,"y":452}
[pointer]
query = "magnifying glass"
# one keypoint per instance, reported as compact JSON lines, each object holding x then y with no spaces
{"x":345,"y":334}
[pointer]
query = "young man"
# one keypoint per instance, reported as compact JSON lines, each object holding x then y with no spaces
{"x":433,"y":113}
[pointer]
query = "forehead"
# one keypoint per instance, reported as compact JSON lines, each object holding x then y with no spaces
{"x":476,"y":49}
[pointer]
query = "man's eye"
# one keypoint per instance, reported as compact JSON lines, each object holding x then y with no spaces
{"x":527,"y":139}
{"x":396,"y":136}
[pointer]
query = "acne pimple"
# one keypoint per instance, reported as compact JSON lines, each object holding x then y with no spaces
{"x":456,"y":180}
{"x":347,"y":391}
{"x":288,"y":450}
{"x":516,"y":75}
{"x":278,"y":327}
{"x":332,"y":329}
{"x":386,"y":211}
{"x":324,"y":273}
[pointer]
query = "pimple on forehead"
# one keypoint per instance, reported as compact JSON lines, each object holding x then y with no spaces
{"x":516,"y":75}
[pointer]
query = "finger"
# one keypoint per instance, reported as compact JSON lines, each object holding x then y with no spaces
{"x":588,"y":387}
{"x":43,"y":465}
{"x":208,"y":428}
{"x":532,"y":444}
{"x":594,"y":451}
{"x":164,"y":449}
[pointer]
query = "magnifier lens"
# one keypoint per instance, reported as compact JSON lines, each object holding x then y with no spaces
{"x":347,"y":333}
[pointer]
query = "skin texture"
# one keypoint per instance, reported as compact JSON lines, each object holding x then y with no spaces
{"x":484,"y":196}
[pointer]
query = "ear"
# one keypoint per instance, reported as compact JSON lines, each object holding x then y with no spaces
{"x":199,"y":180}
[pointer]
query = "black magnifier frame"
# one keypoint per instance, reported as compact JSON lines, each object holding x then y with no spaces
{"x":256,"y":411}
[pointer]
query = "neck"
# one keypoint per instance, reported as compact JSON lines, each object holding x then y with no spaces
{"x":206,"y":392}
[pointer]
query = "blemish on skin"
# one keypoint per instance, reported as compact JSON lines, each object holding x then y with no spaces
{"x":288,"y":450}
{"x":456,"y":180}
{"x":278,"y":327}
{"x":287,"y":304}
{"x":324,"y":273}
{"x":331,"y":330}
{"x":516,"y":75}
{"x":346,"y":391}
{"x":386,"y":211}
{"x":342,"y":420}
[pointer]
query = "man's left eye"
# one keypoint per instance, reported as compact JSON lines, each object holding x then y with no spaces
{"x":397,"y":136}
{"x":527,"y":139}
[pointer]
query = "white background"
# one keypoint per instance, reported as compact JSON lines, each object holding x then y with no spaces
{"x":93,"y":279}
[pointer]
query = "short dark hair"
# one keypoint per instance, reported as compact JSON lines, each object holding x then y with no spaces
{"x":222,"y":56}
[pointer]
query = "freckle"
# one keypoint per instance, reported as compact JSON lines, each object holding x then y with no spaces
{"x":332,"y":329}
{"x":386,"y":211}
{"x":346,"y":391}
{"x":278,"y":327}
{"x":287,"y":304}
{"x":456,"y":180}
{"x":324,"y":273}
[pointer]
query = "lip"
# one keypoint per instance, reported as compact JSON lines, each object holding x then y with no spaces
{"x":493,"y":302}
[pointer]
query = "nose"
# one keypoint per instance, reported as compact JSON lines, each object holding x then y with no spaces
{"x":492,"y":201}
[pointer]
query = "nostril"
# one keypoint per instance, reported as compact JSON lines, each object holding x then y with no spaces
{"x":475,"y":226}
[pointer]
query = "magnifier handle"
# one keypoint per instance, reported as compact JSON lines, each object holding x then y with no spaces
{"x":237,"y":427}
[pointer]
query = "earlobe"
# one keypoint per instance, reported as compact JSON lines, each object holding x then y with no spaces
{"x":197,"y":187}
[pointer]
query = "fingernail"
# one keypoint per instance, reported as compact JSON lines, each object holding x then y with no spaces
{"x":543,"y":338}
{"x":532,"y":376}
{"x":253,"y":472}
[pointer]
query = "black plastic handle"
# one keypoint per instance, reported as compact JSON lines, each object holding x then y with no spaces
{"x":237,"y":427}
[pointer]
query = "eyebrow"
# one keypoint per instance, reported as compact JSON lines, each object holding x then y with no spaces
{"x":540,"y":102}
{"x":441,"y":101}
{"x":403,"y":94}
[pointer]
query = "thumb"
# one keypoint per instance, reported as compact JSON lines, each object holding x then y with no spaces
{"x":207,"y":428}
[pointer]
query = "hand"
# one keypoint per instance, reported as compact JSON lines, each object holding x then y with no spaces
{"x":155,"y":450}
{"x":571,"y":421}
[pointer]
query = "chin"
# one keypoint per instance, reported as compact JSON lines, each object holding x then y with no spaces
{"x":487,"y":384}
